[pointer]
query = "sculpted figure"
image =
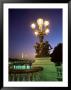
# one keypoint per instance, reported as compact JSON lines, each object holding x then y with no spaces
{"x":42,"y":49}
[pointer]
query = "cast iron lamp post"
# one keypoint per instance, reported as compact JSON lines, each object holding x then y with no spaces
{"x":43,"y":57}
{"x":41,"y":29}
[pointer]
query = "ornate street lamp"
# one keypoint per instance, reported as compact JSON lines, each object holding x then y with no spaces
{"x":43,"y":56}
{"x":40,"y":28}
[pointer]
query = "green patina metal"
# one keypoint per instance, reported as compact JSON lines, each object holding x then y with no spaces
{"x":49,"y":72}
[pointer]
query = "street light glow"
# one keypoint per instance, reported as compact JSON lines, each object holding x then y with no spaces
{"x":40,"y":21}
{"x":36,"y":33}
{"x":47,"y":31}
{"x":46,"y":23}
{"x":33,"y":25}
{"x":40,"y":28}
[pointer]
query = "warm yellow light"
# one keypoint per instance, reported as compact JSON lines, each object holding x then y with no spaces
{"x":47,"y":31}
{"x":46,"y":23}
{"x":22,"y":55}
{"x":40,"y":21}
{"x":33,"y":25}
{"x":36,"y":33}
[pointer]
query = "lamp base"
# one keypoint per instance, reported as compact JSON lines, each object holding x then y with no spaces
{"x":49,"y":72}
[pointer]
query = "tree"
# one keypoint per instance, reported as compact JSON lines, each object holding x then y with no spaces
{"x":56,"y":56}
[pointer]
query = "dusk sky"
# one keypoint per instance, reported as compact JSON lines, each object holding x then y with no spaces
{"x":21,"y":36}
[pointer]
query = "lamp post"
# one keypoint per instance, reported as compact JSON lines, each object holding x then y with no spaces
{"x":40,"y":28}
{"x":43,"y":58}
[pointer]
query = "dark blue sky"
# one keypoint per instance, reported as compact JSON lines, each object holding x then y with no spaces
{"x":21,"y":36}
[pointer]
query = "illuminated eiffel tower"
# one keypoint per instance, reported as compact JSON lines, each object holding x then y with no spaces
{"x":22,"y":55}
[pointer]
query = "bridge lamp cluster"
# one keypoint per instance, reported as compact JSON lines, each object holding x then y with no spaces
{"x":40,"y":27}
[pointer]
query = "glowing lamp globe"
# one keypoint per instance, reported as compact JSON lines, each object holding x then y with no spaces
{"x":36,"y":33}
{"x":46,"y":23}
{"x":47,"y":31}
{"x":33,"y":26}
{"x":40,"y":21}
